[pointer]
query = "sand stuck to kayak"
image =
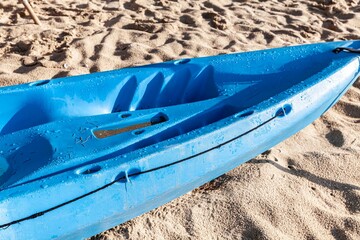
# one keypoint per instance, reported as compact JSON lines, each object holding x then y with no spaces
{"x":307,"y":187}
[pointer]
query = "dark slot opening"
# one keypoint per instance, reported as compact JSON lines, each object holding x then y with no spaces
{"x":104,"y":133}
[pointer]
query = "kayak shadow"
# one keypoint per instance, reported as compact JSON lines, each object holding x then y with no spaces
{"x":330,"y":184}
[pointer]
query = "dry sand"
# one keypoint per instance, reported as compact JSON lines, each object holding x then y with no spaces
{"x":307,"y":187}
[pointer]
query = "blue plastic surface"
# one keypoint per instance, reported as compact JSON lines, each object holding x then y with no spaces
{"x":79,"y":155}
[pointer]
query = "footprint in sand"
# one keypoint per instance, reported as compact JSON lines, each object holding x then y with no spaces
{"x":215,"y":20}
{"x":188,"y":20}
{"x":122,"y":50}
{"x":214,"y":7}
{"x":339,"y":233}
{"x":335,"y":138}
{"x":333,"y":25}
{"x":350,"y":109}
{"x":141,"y":26}
{"x":133,"y":6}
{"x":352,"y":201}
{"x":252,"y":230}
{"x":22,"y":47}
{"x":261,"y":36}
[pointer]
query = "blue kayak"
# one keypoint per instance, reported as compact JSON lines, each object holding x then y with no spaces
{"x":79,"y":155}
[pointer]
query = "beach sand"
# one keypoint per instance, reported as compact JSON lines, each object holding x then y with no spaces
{"x":307,"y":187}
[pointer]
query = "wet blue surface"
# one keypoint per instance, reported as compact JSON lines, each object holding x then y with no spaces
{"x":85,"y":153}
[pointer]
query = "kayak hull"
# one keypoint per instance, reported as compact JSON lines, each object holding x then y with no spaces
{"x":122,"y":191}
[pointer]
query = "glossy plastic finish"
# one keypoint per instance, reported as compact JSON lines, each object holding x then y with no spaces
{"x":79,"y":155}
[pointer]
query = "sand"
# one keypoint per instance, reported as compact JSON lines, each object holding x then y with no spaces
{"x":307,"y":187}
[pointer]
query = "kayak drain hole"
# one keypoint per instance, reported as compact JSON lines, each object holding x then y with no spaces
{"x":139,"y":132}
{"x":245,"y":114}
{"x":125,"y":115}
{"x":91,"y":170}
{"x":182,"y":61}
{"x":284,"y":110}
{"x":39,"y":83}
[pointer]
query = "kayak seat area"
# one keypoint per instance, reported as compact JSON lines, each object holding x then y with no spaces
{"x":116,"y":92}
